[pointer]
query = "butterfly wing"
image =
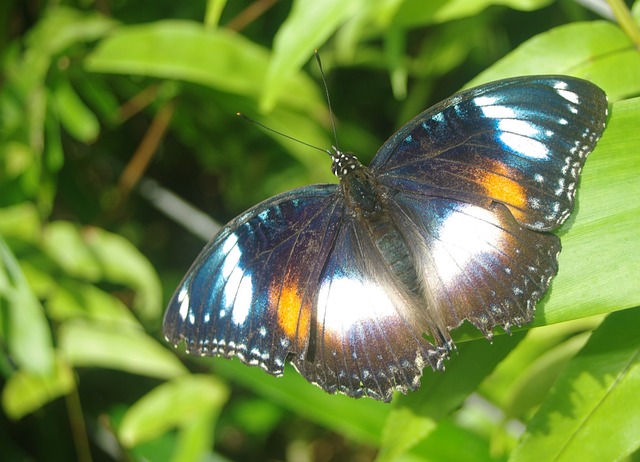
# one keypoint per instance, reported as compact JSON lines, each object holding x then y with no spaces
{"x":521,"y":142}
{"x":466,"y":188}
{"x":365,"y":339}
{"x":249,"y":293}
{"x":477,"y":263}
{"x":475,"y":179}
{"x":298,"y":276}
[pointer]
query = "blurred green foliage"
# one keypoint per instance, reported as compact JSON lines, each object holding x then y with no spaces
{"x":99,"y":97}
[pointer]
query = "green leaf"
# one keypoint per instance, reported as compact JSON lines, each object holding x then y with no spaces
{"x":20,"y":221}
{"x":64,"y":243}
{"x":16,"y":158}
{"x":74,"y":299}
{"x":74,"y":115}
{"x":598,"y":55}
{"x":88,"y":344}
{"x":510,"y":384}
{"x":308,"y":25}
{"x":213,"y":13}
{"x":417,"y":12}
{"x":450,"y":442}
{"x":531,"y":388}
{"x":191,"y":403}
{"x":94,"y":254}
{"x":186,"y":51}
{"x":26,"y":392}
{"x":600,"y":258}
{"x":296,"y":394}
{"x":26,"y":333}
{"x":417,"y":414}
{"x":596,"y":397}
{"x":61,"y":28}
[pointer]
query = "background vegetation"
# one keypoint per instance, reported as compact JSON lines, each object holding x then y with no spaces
{"x":108,"y":110}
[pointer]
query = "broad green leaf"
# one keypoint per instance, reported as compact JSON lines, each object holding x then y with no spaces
{"x":176,"y":403}
{"x":594,"y":401}
{"x":417,"y":414}
{"x":90,"y":344}
{"x":599,"y":55}
{"x":531,"y":388}
{"x":418,"y":12}
{"x":94,"y":254}
{"x":26,"y":332}
{"x":64,"y":243}
{"x":507,"y":386}
{"x":195,"y":438}
{"x":450,"y":442}
{"x":296,"y":394}
{"x":600,"y":258}
{"x":61,"y":28}
{"x":184,"y":50}
{"x":308,"y":26}
{"x":26,"y":392}
{"x":123,"y":263}
{"x":75,"y":299}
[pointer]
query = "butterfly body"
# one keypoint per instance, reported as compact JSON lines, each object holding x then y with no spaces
{"x":359,"y":284}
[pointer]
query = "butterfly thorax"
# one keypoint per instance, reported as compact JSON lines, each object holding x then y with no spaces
{"x":367,"y":202}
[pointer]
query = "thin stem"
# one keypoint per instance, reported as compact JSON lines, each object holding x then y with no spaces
{"x":625,"y":20}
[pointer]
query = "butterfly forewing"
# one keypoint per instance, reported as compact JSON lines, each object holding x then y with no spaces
{"x":520,"y":141}
{"x":249,"y":293}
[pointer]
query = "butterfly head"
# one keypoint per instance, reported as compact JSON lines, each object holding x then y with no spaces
{"x":343,"y":162}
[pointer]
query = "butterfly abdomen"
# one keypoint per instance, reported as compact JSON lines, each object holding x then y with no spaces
{"x":367,"y":205}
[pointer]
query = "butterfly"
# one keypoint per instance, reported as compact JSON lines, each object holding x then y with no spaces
{"x":358,"y":284}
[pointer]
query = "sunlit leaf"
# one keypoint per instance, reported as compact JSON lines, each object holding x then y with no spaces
{"x":598,"y":56}
{"x":308,"y":25}
{"x":74,"y":299}
{"x":416,"y":415}
{"x":26,"y":332}
{"x":88,"y":344}
{"x":26,"y":392}
{"x":417,"y":12}
{"x":20,"y":221}
{"x":186,"y":51}
{"x":596,"y":397}
{"x":177,"y":403}
{"x":74,"y":115}
{"x":94,"y":254}
{"x":600,"y":258}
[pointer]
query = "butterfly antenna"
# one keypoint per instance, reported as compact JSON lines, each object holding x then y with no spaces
{"x":326,"y":92}
{"x":253,"y":121}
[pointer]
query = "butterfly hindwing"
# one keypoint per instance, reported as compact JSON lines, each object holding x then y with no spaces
{"x":478,"y":264}
{"x":366,"y":338}
{"x":521,"y":142}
